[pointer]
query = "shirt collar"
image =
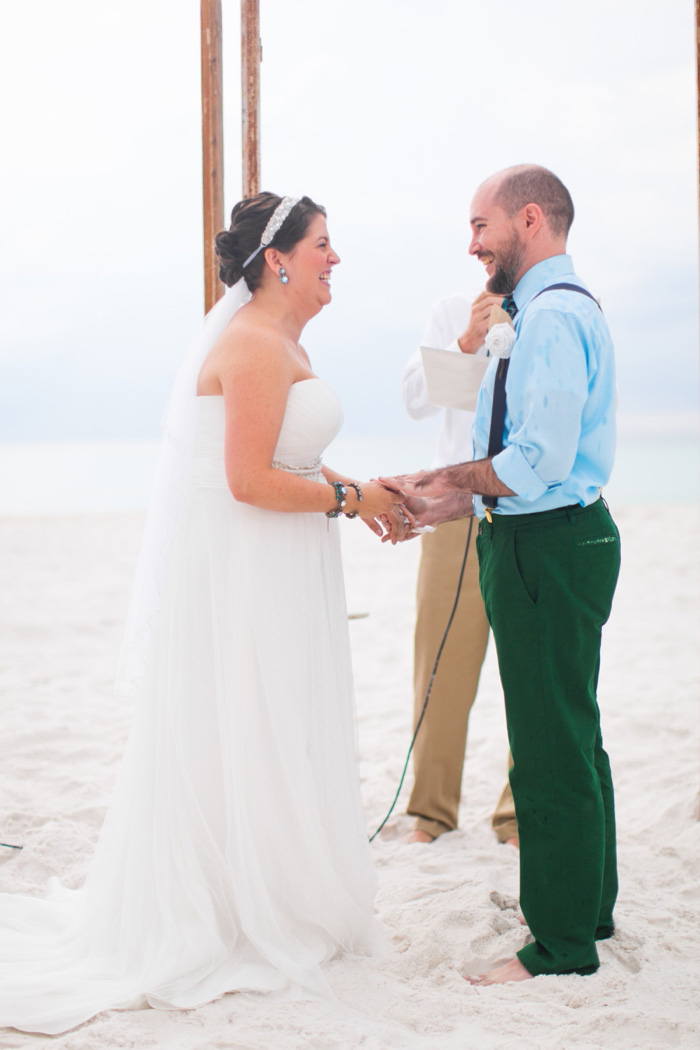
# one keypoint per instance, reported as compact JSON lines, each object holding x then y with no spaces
{"x":540,"y":276}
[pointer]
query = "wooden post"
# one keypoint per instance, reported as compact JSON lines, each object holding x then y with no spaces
{"x":697,"y":62}
{"x":212,"y":145}
{"x":251,"y":54}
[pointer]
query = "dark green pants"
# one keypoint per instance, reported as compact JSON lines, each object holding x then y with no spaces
{"x":548,"y":580}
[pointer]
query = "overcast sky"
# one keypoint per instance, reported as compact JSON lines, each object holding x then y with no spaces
{"x":389,"y":112}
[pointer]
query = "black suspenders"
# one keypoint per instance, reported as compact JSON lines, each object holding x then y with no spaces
{"x":568,"y":287}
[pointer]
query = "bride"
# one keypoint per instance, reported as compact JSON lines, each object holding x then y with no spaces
{"x":234,"y":854}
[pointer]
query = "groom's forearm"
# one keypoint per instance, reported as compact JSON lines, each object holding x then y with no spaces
{"x":478,"y":478}
{"x":451,"y":506}
{"x":446,"y":494}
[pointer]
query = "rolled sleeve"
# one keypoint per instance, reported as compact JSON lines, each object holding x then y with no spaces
{"x":512,"y":468}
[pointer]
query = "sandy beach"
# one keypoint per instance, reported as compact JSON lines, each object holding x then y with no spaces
{"x":446,"y":909}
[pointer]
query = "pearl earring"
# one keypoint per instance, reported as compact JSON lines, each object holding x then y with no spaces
{"x":283,"y":275}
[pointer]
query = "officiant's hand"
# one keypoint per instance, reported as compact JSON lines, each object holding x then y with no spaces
{"x":473,"y":337}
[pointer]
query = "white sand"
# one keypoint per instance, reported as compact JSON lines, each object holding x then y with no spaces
{"x":64,"y":585}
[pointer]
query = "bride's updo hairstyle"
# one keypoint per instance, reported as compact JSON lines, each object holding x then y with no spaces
{"x":248,"y":221}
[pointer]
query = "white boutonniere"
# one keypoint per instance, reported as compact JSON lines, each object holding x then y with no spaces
{"x":501,"y":334}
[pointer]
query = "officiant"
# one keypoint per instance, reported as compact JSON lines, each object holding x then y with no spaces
{"x":456,"y":326}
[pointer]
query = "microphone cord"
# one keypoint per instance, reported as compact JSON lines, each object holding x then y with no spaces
{"x":432,"y":679}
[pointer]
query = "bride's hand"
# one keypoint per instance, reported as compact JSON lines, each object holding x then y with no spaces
{"x":374,"y":526}
{"x":381,"y":509}
{"x":378,"y":500}
{"x":400,"y":525}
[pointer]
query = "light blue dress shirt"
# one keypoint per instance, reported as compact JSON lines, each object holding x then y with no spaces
{"x":559,"y":432}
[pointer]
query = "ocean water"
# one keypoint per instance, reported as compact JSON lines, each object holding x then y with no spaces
{"x":652,"y":466}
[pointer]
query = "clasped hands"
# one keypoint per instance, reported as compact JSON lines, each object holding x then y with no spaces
{"x":415,"y":501}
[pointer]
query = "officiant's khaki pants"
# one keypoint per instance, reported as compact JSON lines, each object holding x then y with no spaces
{"x":438,"y":754}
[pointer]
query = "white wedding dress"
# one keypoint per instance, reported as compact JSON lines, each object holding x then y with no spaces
{"x":234,"y":855}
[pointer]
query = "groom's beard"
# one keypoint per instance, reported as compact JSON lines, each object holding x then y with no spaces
{"x":508,"y":267}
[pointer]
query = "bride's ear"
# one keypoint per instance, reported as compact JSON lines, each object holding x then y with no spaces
{"x":273,"y":260}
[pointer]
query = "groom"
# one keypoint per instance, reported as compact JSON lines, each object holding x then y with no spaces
{"x":544,"y":438}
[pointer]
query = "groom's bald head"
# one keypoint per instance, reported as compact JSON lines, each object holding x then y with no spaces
{"x":524,"y":184}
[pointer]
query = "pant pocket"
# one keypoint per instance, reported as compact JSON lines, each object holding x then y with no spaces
{"x":598,"y":567}
{"x":526,"y":562}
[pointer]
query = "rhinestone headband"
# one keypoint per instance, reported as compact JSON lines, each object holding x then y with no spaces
{"x":274,"y":225}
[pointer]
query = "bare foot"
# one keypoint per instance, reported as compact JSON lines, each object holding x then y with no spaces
{"x":512,"y":971}
{"x":419,"y":836}
{"x":513,"y":842}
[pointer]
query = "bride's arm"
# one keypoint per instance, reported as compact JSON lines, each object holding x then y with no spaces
{"x":373,"y":503}
{"x":256,"y":374}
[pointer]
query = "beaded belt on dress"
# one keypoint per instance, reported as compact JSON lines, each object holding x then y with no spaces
{"x":312,"y":471}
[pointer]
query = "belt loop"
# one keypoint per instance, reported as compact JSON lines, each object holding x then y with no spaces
{"x":571,"y":511}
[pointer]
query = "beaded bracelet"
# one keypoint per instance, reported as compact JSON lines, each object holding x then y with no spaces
{"x":340,"y":494}
{"x":358,"y":490}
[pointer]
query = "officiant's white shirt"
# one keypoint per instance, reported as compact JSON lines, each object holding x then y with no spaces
{"x":447,"y":322}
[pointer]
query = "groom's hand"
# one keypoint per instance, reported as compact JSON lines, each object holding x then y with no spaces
{"x":424,"y":483}
{"x":403,"y":482}
{"x":428,"y":498}
{"x":428,"y":510}
{"x":409,"y":526}
{"x":427,"y":483}
{"x":406,"y":513}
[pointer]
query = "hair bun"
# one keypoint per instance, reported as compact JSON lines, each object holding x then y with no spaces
{"x":231,"y":257}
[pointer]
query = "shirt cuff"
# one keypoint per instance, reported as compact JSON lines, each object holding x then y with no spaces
{"x":454,"y":346}
{"x":512,"y":468}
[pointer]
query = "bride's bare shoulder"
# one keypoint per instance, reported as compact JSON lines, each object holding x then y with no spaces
{"x":249,"y":336}
{"x":246,"y":345}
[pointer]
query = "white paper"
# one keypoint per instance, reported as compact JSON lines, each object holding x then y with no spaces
{"x":453,"y":380}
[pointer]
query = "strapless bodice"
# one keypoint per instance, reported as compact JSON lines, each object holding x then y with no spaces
{"x":312,"y":419}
